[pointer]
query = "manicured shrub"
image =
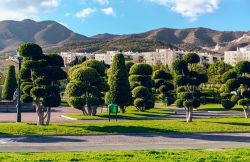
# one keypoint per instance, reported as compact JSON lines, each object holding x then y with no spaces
{"x":179,"y":103}
{"x":227,"y":104}
{"x":10,"y":84}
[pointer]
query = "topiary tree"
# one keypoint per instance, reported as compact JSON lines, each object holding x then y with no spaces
{"x":87,"y":86}
{"x":140,"y":75}
{"x":119,"y":88}
{"x":129,"y":64}
{"x":216,"y":70}
{"x":188,"y":81}
{"x":237,"y":81}
{"x":163,"y":85}
{"x":40,"y":75}
{"x":10,"y":84}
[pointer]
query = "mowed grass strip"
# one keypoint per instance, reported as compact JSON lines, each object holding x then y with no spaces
{"x":229,"y":155}
{"x":131,"y":113}
{"x":219,"y":107}
{"x":230,"y":124}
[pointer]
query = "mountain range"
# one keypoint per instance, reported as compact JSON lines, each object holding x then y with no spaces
{"x":55,"y":37}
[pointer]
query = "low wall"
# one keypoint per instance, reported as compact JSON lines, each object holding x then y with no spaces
{"x":12,"y":108}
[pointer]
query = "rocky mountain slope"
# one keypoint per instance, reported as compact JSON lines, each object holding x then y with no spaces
{"x":53,"y":36}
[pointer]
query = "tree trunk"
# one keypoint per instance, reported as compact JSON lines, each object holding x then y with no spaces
{"x":48,"y":116}
{"x":93,"y":110}
{"x":84,"y":111}
{"x":246,"y":112}
{"x":189,"y":115}
{"x":123,"y":109}
{"x":40,"y":113}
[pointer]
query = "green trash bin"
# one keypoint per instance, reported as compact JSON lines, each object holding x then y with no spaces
{"x":113,"y":108}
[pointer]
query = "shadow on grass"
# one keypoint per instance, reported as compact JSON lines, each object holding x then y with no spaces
{"x":123,"y":129}
{"x":231,"y":123}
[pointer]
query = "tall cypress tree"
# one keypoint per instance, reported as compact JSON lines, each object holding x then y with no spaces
{"x":119,"y":92}
{"x":10,"y":84}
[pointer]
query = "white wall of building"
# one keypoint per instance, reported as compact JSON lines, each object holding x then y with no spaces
{"x":233,"y":57}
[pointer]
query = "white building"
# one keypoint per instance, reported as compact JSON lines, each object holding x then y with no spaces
{"x":160,"y":56}
{"x":70,"y":56}
{"x":168,"y":56}
{"x":233,"y":57}
{"x":107,"y":57}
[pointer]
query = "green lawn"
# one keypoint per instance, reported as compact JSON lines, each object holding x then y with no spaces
{"x":218,"y":107}
{"x":230,"y":124}
{"x":131,"y":113}
{"x":229,"y":155}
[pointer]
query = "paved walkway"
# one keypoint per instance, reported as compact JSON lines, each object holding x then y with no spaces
{"x":58,"y":112}
{"x":124,"y":142}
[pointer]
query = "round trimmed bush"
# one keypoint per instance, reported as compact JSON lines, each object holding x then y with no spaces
{"x":166,"y":88}
{"x":141,"y":69}
{"x":149,"y":104}
{"x":27,"y":89}
{"x":186,"y":95}
{"x":161,"y":74}
{"x":228,"y":75}
{"x":227,"y":104}
{"x":191,"y":58}
{"x":196,"y":103}
{"x":97,"y":65}
{"x":187,"y":103}
{"x":244,"y":102}
{"x":55,"y":60}
{"x":31,"y":50}
{"x":26,"y":99}
{"x":52,"y":100}
{"x":179,"y":103}
{"x":235,"y":99}
{"x":77,"y":102}
{"x":139,"y":102}
{"x":141,"y":92}
{"x":180,"y":67}
{"x":38,"y":92}
{"x":169,"y":101}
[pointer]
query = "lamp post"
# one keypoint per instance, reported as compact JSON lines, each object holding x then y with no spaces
{"x":18,"y":106}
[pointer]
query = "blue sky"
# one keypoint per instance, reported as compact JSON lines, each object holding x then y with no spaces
{"x":90,"y":17}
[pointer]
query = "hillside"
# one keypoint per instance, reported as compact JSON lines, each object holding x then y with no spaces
{"x":45,"y":33}
{"x":54,"y":37}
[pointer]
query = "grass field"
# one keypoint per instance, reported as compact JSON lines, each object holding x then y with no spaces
{"x":230,"y":124}
{"x":131,"y":113}
{"x":228,"y":155}
{"x":218,"y":107}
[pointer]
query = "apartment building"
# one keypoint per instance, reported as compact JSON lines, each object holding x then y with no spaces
{"x":233,"y":57}
{"x":160,"y":56}
{"x":71,"y":56}
{"x":107,"y":57}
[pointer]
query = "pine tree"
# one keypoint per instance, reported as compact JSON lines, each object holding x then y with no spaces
{"x":119,"y":92}
{"x":10,"y":84}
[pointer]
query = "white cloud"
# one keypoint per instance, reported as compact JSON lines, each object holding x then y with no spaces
{"x":109,"y":11}
{"x":85,"y":12}
{"x":191,"y":9}
{"x":102,"y":2}
{"x":20,"y":9}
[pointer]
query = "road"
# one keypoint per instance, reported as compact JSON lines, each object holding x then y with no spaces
{"x":124,"y":142}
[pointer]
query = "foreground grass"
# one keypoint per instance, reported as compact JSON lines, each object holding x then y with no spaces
{"x":230,"y":124}
{"x":229,"y":155}
{"x":131,"y":113}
